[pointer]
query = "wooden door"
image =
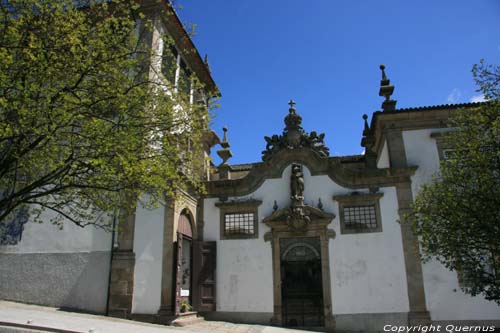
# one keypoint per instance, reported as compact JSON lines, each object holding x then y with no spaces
{"x":178,"y":273}
{"x":204,"y":263}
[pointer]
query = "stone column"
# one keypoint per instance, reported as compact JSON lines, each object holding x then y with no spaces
{"x":418,"y":313}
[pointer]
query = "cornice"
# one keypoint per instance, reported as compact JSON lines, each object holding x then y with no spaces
{"x":350,"y":175}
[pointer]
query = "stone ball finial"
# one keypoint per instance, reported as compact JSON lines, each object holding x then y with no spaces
{"x":224,"y":129}
{"x":365,"y":116}
{"x":382,"y":67}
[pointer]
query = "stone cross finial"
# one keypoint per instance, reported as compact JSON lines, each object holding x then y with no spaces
{"x":292,"y":104}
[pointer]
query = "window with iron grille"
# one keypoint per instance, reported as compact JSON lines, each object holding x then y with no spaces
{"x":239,"y":219}
{"x":360,"y":217}
{"x":239,"y":224}
{"x":359,"y":212}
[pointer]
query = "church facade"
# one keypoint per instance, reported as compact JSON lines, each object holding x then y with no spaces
{"x":299,"y":239}
{"x":306,"y":239}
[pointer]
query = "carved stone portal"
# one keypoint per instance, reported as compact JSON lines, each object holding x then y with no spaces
{"x":300,"y":221}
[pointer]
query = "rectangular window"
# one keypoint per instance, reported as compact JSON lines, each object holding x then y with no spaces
{"x":184,"y":83}
{"x":359,"y":212}
{"x":169,"y":63}
{"x":239,"y":224}
{"x":239,"y":219}
{"x":360,"y":217}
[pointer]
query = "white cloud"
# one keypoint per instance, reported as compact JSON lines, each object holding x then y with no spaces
{"x":454,"y":96}
{"x":477,"y":98}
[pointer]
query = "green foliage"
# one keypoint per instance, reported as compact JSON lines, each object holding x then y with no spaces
{"x":86,"y":116}
{"x":458,"y":214}
{"x":186,"y":307}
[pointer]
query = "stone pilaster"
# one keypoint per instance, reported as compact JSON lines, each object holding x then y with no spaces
{"x":121,"y":288}
{"x":418,"y":313}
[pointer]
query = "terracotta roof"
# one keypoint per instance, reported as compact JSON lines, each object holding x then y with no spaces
{"x":438,"y":107}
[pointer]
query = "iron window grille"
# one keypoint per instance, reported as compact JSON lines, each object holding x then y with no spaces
{"x":239,"y":219}
{"x":239,"y":224}
{"x":359,"y":212}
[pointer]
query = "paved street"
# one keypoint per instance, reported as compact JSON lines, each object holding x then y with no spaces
{"x":16,"y":317}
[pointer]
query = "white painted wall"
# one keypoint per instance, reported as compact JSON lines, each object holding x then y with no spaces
{"x":244,"y":279}
{"x":148,"y":245}
{"x":49,"y":238}
{"x":383,"y":158}
{"x":367,"y":270}
{"x":445,"y":300}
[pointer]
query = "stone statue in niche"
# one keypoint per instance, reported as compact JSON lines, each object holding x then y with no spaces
{"x":297,"y":185}
{"x":297,"y":218}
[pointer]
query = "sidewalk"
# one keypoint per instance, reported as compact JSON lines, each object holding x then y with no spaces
{"x":29,"y":318}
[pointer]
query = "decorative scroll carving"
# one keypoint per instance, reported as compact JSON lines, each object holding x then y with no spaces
{"x":294,"y":137}
{"x":298,"y":218}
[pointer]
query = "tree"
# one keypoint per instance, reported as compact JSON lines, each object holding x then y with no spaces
{"x":458,"y":213}
{"x":86,"y":116}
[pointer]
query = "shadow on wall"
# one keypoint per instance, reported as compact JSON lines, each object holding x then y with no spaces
{"x":75,"y":281}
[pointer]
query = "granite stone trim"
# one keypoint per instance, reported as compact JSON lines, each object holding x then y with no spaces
{"x":262,"y":318}
{"x":442,"y":144}
{"x":351,"y":175}
{"x":418,"y":313}
{"x":359,"y":199}
{"x":77,"y":280}
{"x":234,"y":207}
{"x":317,"y":228}
{"x":174,"y":207}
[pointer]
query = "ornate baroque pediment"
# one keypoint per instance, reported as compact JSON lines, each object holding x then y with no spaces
{"x":294,"y":137}
{"x":298,"y":219}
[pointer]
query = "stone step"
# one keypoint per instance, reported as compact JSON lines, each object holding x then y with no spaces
{"x":187,"y":318}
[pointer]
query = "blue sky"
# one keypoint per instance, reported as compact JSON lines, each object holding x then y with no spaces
{"x":325,"y":55}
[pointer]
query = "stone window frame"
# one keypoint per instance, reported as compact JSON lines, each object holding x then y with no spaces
{"x":442,"y":145}
{"x":464,"y":283}
{"x":239,"y":207}
{"x":356,"y":199}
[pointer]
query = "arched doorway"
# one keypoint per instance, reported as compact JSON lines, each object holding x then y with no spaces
{"x":301,"y":282}
{"x":184,"y":249}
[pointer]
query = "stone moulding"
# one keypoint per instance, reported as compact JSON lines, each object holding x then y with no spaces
{"x":316,"y":228}
{"x":350,"y":175}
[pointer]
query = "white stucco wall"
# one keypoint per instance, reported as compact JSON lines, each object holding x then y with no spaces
{"x":383,"y":158}
{"x":49,"y":238}
{"x":367,"y":270}
{"x":445,"y":300}
{"x":148,"y":245}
